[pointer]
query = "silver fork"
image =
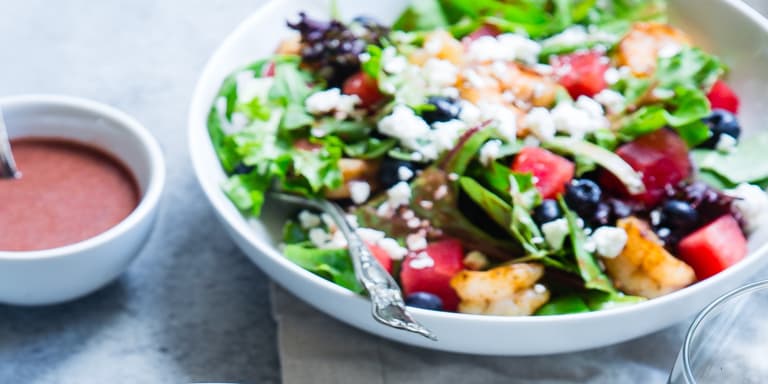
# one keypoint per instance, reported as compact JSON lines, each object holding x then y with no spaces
{"x":7,"y":164}
{"x":387,"y":305}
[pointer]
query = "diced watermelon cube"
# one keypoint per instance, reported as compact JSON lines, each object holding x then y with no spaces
{"x":661,"y":157}
{"x":723,"y":97}
{"x":552,"y":172}
{"x":381,"y":256}
{"x":417,"y":275}
{"x":581,"y":73}
{"x":714,"y":247}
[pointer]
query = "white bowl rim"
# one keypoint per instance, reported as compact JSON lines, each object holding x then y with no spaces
{"x":239,"y":223}
{"x":150,"y":198}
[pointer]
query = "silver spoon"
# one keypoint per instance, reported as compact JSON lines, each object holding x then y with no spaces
{"x":7,"y":164}
{"x":387,"y":303}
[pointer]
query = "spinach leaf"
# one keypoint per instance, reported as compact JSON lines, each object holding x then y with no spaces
{"x":296,"y":117}
{"x":590,"y":271}
{"x":746,"y":164}
{"x":293,"y":233}
{"x":497,"y":209}
{"x":563,"y":305}
{"x":332,"y":264}
{"x":346,"y":130}
{"x":599,"y":300}
{"x":457,"y":160}
{"x":690,"y":68}
{"x":372,"y":66}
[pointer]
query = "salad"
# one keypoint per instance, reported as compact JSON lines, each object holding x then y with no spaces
{"x":500,"y":157}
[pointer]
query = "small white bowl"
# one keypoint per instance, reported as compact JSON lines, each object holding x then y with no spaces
{"x":60,"y":274}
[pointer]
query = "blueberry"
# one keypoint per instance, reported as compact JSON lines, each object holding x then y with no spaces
{"x":424,"y":300}
{"x":242,"y":169}
{"x":721,"y":122}
{"x":678,"y":215}
{"x":389,"y":172}
{"x":446,"y":108}
{"x":583,"y":196}
{"x":547,"y":211}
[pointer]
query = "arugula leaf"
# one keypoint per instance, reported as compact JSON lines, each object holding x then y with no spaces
{"x":421,"y":15}
{"x":744,"y":165}
{"x":590,"y":271}
{"x":332,"y":264}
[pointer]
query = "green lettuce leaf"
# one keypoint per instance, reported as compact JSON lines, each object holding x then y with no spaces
{"x":746,"y":164}
{"x":332,"y":264}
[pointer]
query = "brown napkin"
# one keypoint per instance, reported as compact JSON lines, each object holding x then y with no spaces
{"x":317,"y":349}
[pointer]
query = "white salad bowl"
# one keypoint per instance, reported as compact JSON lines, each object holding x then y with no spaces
{"x":64,"y":273}
{"x":730,"y":29}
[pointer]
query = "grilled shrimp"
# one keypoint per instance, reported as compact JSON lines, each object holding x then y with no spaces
{"x":640,"y":48}
{"x":644,"y":267}
{"x":509,"y":290}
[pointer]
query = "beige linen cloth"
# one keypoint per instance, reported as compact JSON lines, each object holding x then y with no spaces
{"x":316,"y":349}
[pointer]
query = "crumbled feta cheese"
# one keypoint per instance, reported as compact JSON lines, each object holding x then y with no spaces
{"x":404,"y":125}
{"x":421,"y":261}
{"x":440,"y":73}
{"x":662,"y":93}
{"x":469,"y":114}
{"x":609,"y":241}
{"x":508,"y":46}
{"x":540,"y":123}
{"x":393,"y":249}
{"x":359,"y":191}
{"x":391,"y":62}
{"x":539,"y":288}
{"x":337,"y":241}
{"x":613,"y":101}
{"x":655,"y":216}
{"x":239,"y":121}
{"x":575,"y":35}
{"x":441,"y":192}
{"x":444,"y":134}
{"x":611,"y":76}
{"x":751,"y":203}
{"x":352,"y":221}
{"x":249,"y":86}
{"x":726,"y":143}
{"x":319,"y":237}
{"x":590,"y":245}
{"x":426,"y":204}
{"x":531,"y":141}
{"x":384,"y":210}
{"x":413,"y":223}
{"x":453,"y":176}
{"x":404,"y":173}
{"x":555,"y":232}
{"x":589,"y":105}
{"x":416,"y":242}
{"x":308,"y":219}
{"x":369,"y":235}
{"x":450,"y":92}
{"x":331,"y":100}
{"x":399,"y":194}
{"x":489,"y":152}
{"x":578,"y":119}
{"x":408,"y":214}
{"x":504,"y":120}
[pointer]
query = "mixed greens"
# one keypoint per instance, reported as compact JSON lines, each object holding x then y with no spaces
{"x":500,"y":157}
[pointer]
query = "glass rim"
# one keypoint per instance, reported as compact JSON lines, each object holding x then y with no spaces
{"x":702,"y":316}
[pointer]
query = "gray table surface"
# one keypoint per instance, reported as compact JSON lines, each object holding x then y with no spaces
{"x":191,"y":308}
